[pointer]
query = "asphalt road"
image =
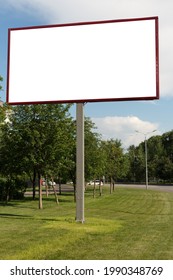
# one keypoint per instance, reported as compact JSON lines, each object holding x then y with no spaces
{"x":165,"y":188}
{"x":64,"y":188}
{"x":69,"y":188}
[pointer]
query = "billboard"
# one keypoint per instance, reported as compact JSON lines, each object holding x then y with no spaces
{"x":84,"y":62}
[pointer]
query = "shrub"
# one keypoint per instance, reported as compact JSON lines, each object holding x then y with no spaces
{"x":12,"y":189}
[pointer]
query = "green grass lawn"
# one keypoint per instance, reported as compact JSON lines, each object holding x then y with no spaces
{"x":127,"y":224}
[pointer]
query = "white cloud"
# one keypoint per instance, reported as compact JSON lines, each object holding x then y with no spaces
{"x":58,"y":11}
{"x":124,"y":129}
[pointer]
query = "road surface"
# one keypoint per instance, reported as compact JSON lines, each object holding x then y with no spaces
{"x":165,"y":188}
{"x":69,"y":188}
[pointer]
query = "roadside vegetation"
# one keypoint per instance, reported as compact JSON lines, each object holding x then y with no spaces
{"x":38,"y":142}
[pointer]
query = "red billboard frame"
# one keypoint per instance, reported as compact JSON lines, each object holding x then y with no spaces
{"x":80,"y":24}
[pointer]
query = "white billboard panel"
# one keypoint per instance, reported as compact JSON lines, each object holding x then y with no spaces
{"x":93,"y":61}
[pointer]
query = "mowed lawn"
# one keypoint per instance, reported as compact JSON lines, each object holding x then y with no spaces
{"x":127,"y":224}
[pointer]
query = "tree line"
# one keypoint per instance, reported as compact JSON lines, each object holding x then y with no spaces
{"x":160,"y":159}
{"x":39,"y":141}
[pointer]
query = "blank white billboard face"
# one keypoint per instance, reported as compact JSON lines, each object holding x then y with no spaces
{"x":96,"y":61}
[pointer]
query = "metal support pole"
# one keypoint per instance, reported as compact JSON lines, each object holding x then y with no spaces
{"x":80,"y":163}
{"x":146,"y":155}
{"x":146,"y":162}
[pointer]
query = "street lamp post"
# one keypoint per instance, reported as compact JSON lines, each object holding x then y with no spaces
{"x":146,"y":163}
{"x":146,"y":156}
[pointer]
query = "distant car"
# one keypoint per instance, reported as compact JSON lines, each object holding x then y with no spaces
{"x":50,"y":183}
{"x":97,"y":183}
{"x":43,"y":182}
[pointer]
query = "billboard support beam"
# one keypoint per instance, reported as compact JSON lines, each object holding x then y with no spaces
{"x":80,"y":163}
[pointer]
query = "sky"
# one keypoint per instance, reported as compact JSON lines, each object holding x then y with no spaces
{"x":117,"y":120}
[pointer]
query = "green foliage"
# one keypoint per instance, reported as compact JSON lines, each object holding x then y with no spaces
{"x":1,"y":79}
{"x":116,"y":162}
{"x":12,"y":188}
{"x":93,"y":154}
{"x":159,"y":159}
{"x":2,"y":115}
{"x":36,"y":140}
{"x":40,"y":140}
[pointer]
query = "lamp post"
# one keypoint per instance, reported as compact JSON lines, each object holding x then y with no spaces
{"x":146,"y":155}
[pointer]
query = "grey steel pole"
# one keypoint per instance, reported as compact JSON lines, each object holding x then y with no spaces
{"x":146,"y":155}
{"x":146,"y":162}
{"x":80,"y":163}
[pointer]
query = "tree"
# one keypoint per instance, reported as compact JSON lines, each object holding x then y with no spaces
{"x":92,"y":152}
{"x":1,"y":79}
{"x":94,"y":167}
{"x":155,"y":154}
{"x":132,"y":157}
{"x":2,"y":114}
{"x":37,"y":137}
{"x":115,"y":161}
{"x":166,"y":166}
{"x":159,"y":159}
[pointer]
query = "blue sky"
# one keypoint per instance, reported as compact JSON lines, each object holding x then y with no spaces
{"x":113,"y":119}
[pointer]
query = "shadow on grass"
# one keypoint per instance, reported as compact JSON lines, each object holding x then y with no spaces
{"x":19,"y":203}
{"x":14,"y":202}
{"x":143,"y":213}
{"x":50,"y":198}
{"x":16,"y":216}
{"x":5,"y":215}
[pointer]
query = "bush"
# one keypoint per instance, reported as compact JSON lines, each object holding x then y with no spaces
{"x":2,"y":189}
{"x":12,"y":189}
